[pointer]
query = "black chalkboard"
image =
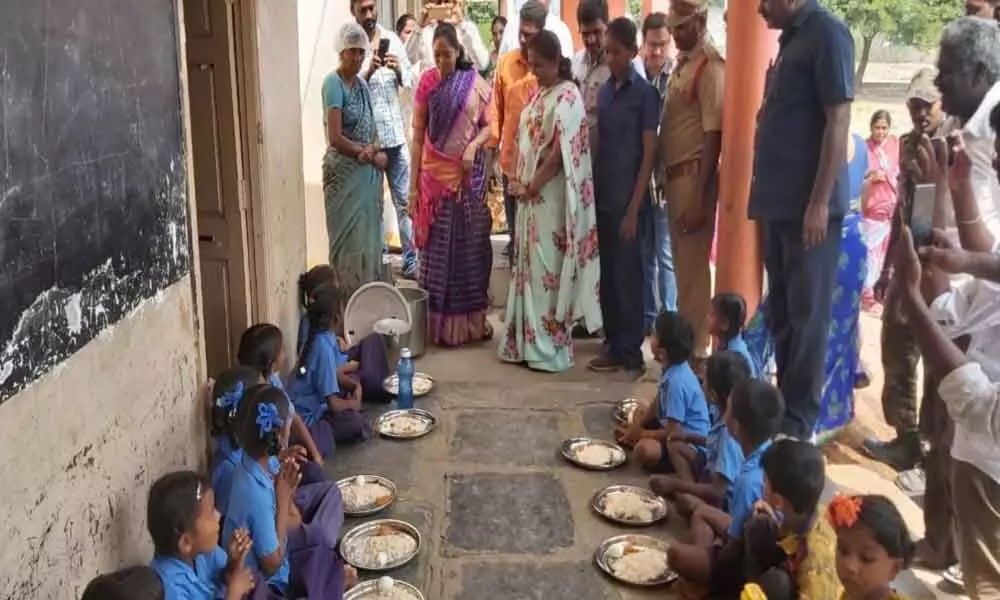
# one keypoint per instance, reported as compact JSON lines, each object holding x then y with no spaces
{"x":93,"y":191}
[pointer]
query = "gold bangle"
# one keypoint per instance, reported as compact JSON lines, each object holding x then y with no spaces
{"x":977,"y":219}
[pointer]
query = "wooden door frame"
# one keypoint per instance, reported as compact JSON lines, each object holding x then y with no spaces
{"x":247,"y":90}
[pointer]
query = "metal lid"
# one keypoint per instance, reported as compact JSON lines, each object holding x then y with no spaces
{"x":405,"y":353}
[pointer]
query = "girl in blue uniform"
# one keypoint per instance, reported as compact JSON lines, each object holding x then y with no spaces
{"x":184,"y":525}
{"x":262,"y":347}
{"x":227,"y":394}
{"x":727,"y":315}
{"x":325,"y":393}
{"x":294,"y":533}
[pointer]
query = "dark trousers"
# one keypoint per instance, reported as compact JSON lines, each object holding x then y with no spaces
{"x":938,"y":429}
{"x":899,"y":363}
{"x":800,"y":298}
{"x":509,"y":209}
{"x":623,"y":279}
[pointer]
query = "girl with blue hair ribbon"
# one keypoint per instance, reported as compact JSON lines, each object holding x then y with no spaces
{"x":294,"y":527}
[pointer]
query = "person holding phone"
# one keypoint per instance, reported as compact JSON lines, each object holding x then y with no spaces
{"x":386,"y":68}
{"x":419,"y":48}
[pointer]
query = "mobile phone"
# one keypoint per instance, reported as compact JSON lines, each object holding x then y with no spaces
{"x":922,"y":214}
{"x":383,"y":48}
{"x":440,"y":12}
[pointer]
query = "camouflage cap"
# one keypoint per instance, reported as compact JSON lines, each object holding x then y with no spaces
{"x":682,"y":11}
{"x":922,"y":86}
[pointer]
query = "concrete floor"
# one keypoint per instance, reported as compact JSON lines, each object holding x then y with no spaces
{"x":503,"y":517}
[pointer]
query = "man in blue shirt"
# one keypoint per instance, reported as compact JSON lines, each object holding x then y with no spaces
{"x":799,"y":192}
{"x":624,"y":151}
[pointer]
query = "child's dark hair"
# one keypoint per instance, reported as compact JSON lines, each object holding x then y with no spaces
{"x":881,"y":517}
{"x":262,"y":415}
{"x":733,"y":308}
{"x":131,"y":583}
{"x":260,"y":346}
{"x":312,"y":279}
{"x":172,"y":508}
{"x":323,"y":313}
{"x":723,"y":371}
{"x":675,"y":336}
{"x":797,"y":473}
{"x":757,"y":406}
{"x":623,"y":31}
{"x":227,"y":394}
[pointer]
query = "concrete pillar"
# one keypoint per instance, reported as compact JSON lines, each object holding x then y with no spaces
{"x":750,"y":48}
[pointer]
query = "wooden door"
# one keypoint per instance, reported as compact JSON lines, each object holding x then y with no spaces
{"x":220,"y":185}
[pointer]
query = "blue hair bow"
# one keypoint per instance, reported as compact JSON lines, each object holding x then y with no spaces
{"x":267,"y":418}
{"x":231,"y":399}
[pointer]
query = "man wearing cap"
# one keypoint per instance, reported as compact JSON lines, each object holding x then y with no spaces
{"x":690,"y":141}
{"x":899,"y":349}
{"x":799,"y":193}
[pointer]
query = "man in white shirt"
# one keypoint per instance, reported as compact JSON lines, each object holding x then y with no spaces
{"x":969,"y":389}
{"x":552,"y":23}
{"x":420,"y":45}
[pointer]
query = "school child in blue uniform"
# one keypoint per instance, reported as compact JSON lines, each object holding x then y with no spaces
{"x":705,"y":476}
{"x":226,"y":395}
{"x":680,"y":408}
{"x":365,"y":361}
{"x":130,"y":583}
{"x":262,"y":347}
{"x":727,"y":316}
{"x":294,"y":537}
{"x":754,"y":417}
{"x":184,"y":525}
{"x":628,"y":114}
{"x":327,"y":398}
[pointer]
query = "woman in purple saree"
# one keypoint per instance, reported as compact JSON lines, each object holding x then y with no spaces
{"x":451,"y":220}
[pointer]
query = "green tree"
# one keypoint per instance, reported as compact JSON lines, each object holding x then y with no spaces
{"x":906,"y":22}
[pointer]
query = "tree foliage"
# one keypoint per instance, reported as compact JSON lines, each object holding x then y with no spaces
{"x":906,"y":22}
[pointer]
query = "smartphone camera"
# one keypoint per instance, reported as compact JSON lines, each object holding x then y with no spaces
{"x":921,"y":219}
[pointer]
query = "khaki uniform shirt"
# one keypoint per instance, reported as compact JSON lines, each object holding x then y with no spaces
{"x":693,"y":105}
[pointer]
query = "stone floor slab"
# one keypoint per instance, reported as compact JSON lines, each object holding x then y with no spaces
{"x":506,"y":437}
{"x":563,"y":581}
{"x":517,"y":514}
{"x":598,"y":420}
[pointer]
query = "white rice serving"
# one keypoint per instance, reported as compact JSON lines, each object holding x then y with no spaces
{"x":377,"y":551}
{"x":421,"y":385}
{"x":640,"y":565}
{"x":629,"y":507}
{"x":406,"y":425}
{"x":387,"y":589}
{"x":359,"y":495}
{"x":597,"y":455}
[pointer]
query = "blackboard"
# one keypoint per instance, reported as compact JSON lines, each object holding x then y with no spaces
{"x":93,"y":190}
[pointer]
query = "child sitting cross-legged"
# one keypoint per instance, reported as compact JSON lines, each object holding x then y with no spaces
{"x":184,"y":525}
{"x":680,"y":408}
{"x":753,"y":417}
{"x":873,"y":546}
{"x":705,"y":476}
{"x":789,"y":547}
{"x":727,"y":316}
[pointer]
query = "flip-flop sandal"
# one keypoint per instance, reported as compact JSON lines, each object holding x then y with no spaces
{"x":487,"y":332}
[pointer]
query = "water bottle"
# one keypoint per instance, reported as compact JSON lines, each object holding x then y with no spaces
{"x":404,"y":399}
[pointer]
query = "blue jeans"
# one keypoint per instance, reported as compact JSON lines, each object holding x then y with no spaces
{"x":661,"y":286}
{"x":397,"y":173}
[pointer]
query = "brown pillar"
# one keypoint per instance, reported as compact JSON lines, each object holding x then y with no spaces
{"x":750,"y":48}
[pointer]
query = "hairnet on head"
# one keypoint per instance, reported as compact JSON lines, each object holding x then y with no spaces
{"x":351,"y":35}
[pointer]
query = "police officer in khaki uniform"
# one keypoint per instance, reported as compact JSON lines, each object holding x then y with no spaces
{"x":690,"y":141}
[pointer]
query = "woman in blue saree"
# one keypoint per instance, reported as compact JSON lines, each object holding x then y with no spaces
{"x":843,"y":365}
{"x":352,"y":179}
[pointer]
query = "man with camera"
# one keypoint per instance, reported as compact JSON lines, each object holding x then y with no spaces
{"x":420,"y":46}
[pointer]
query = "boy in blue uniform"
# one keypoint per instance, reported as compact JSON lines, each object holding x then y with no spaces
{"x":706,"y":476}
{"x":624,"y":152}
{"x":680,"y":408}
{"x":754,"y":416}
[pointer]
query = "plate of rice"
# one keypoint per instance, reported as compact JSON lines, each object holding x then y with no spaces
{"x":629,"y":505}
{"x":406,"y":424}
{"x":423,"y":384}
{"x":380,"y":545}
{"x":638,"y":560}
{"x":383,"y":588}
{"x":594,"y":454}
{"x":366,"y":494}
